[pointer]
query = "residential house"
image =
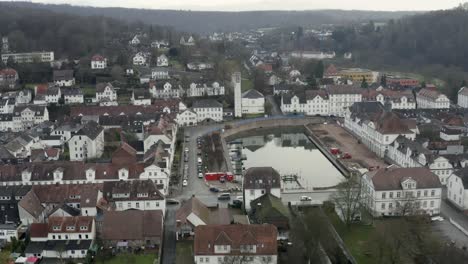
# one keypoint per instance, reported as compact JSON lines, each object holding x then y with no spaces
{"x":259,"y":181}
{"x":357,"y":76}
{"x":162,"y":61}
{"x":66,"y":130}
{"x":316,"y":55}
{"x":87,"y":143}
{"x":189,"y":42}
{"x":432,"y":99}
{"x":72,"y":95}
{"x":457,"y":189}
{"x":160,"y":73}
{"x":141,"y":97}
{"x":193,"y":213}
{"x":394,"y":99}
{"x":198,"y":90}
{"x":159,"y":44}
{"x":208,"y":109}
{"x":140,"y":59}
{"x":186,"y":118}
{"x":141,"y":229}
{"x":401,"y":191}
{"x":269,"y":209}
{"x":253,"y":102}
{"x":133,"y":195}
{"x":377,"y":128}
{"x":105,"y":92}
{"x":199,"y":66}
{"x":9,"y":199}
{"x":64,"y":78}
{"x":235,"y":244}
{"x":62,"y":238}
{"x":135,"y":40}
{"x":402,"y":82}
{"x":26,"y":117}
{"x":8,"y":78}
{"x":98,"y":62}
{"x":165,"y":89}
{"x":463,"y":97}
{"x":341,"y":97}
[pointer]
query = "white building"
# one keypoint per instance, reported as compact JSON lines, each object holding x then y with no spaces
{"x":73,"y":96}
{"x":236,"y":81}
{"x":189,"y":42}
{"x":160,"y":73}
{"x":395,"y":99}
{"x":377,"y":128}
{"x":26,"y":117}
{"x":208,"y":109}
{"x":105,"y":92}
{"x":64,"y":78}
{"x":186,"y":118}
{"x":140,"y":59}
{"x":53,"y":95}
{"x":46,"y":56}
{"x":313,"y":102}
{"x":62,"y":237}
{"x":219,"y":244}
{"x":401,"y":191}
{"x":134,"y":195}
{"x":162,"y":61}
{"x":165,"y":89}
{"x":87,"y":143}
{"x":431,"y":99}
{"x":253,"y":102}
{"x":159,"y":44}
{"x":98,"y":62}
{"x":135,"y":40}
{"x":198,"y":90}
{"x":259,"y":181}
{"x":341,"y":97}
{"x":316,"y":55}
{"x":457,"y":189}
{"x":463,"y":97}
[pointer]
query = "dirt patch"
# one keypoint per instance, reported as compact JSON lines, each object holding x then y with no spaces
{"x":213,"y":157}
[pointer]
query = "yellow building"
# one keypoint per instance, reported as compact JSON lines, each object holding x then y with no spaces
{"x":356,"y":75}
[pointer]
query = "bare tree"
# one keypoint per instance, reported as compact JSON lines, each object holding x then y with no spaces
{"x":408,"y":205}
{"x":347,"y":198}
{"x":245,"y":259}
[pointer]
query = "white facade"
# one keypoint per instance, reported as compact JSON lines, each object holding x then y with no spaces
{"x":143,"y":205}
{"x":197,"y":90}
{"x":428,"y":99}
{"x":27,"y":117}
{"x":237,"y":82}
{"x":73,"y":98}
{"x":82,"y":147}
{"x":457,"y":193}
{"x":140,"y":59}
{"x":340,"y":102}
{"x":313,"y":55}
{"x":463,"y":97}
{"x":393,"y":202}
{"x":108,"y":94}
{"x":214,"y":113}
{"x":98,"y":63}
{"x":253,"y":104}
{"x":223,"y":259}
{"x":162,"y":61}
{"x":166,"y":90}
{"x":29,"y":57}
{"x":187,"y":118}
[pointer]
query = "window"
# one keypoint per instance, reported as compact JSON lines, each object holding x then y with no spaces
{"x":384,"y":194}
{"x":425,"y":193}
{"x":201,"y":260}
{"x":383,"y":206}
{"x":398,"y":194}
{"x":432,"y":203}
{"x":419,"y":193}
{"x":433,"y":193}
{"x":391,"y":194}
{"x":137,"y":205}
{"x":390,"y":205}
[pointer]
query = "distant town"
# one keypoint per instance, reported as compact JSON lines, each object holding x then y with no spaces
{"x":257,"y":146}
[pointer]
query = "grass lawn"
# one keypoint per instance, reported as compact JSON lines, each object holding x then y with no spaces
{"x":355,"y":238}
{"x":253,"y":115}
{"x":247,"y":84}
{"x":129,"y":259}
{"x":89,"y":91}
{"x":184,"y":254}
{"x":176,"y":64}
{"x":4,"y":256}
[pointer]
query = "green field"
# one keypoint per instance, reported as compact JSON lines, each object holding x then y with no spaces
{"x":129,"y":259}
{"x":247,"y":84}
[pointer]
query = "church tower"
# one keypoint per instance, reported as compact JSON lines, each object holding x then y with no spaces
{"x":236,"y":83}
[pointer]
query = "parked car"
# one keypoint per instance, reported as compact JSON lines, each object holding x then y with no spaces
{"x":305,"y":199}
{"x":186,"y":149}
{"x":224,"y":196}
{"x":185,"y":183}
{"x":236,"y":204}
{"x":172,"y":201}
{"x":214,"y":189}
{"x":200,"y":175}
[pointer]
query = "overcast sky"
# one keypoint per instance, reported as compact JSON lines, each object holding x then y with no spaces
{"x":242,"y":5}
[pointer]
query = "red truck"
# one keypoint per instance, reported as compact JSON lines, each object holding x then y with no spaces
{"x":219,"y":176}
{"x":335,"y":151}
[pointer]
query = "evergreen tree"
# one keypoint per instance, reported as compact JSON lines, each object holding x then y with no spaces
{"x":319,"y":69}
{"x":383,"y":80}
{"x":364,"y":83}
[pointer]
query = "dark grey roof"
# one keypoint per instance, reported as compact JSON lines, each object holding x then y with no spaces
{"x":101,"y":86}
{"x":252,"y":94}
{"x":344,"y":89}
{"x":463,"y":174}
{"x":37,"y":109}
{"x":35,"y":247}
{"x":71,"y":91}
{"x":206,"y":103}
{"x":63,"y":75}
{"x":287,"y":98}
{"x":261,"y":178}
{"x":141,"y":94}
{"x":91,"y":130}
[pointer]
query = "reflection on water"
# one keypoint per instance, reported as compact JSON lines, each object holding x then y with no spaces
{"x":291,"y":154}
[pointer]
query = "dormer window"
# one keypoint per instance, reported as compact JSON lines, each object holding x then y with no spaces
{"x":70,"y":228}
{"x":83,"y":228}
{"x":142,"y":195}
{"x":56,"y":228}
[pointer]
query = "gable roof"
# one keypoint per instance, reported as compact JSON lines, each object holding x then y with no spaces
{"x":391,"y":178}
{"x":206,"y":103}
{"x":63,"y":75}
{"x":91,"y":130}
{"x":139,"y":225}
{"x":263,"y":236}
{"x":261,"y":178}
{"x":252,"y":94}
{"x":270,"y":209}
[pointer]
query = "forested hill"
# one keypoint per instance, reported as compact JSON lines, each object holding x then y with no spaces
{"x":72,"y":36}
{"x":439,"y":37}
{"x":204,"y":22}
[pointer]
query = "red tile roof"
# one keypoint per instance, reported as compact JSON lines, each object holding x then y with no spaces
{"x":98,"y":57}
{"x":391,"y":178}
{"x":264,"y":237}
{"x":38,"y":230}
{"x":77,"y":222}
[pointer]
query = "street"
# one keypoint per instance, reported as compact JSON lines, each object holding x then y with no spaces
{"x":447,"y":229}
{"x":169,"y":244}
